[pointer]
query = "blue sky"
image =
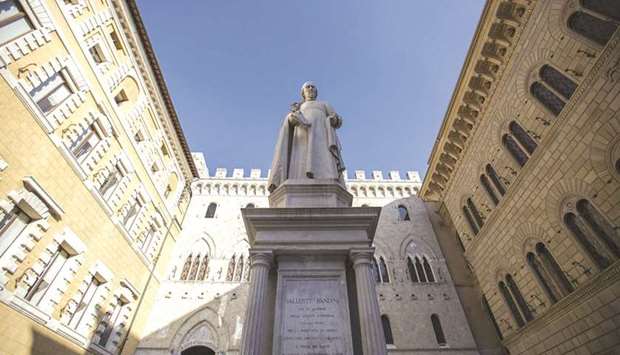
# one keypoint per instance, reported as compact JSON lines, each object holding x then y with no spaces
{"x":387,"y":67}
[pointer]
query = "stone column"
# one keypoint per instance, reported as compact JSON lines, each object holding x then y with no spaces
{"x":373,"y":339}
{"x":255,"y":329}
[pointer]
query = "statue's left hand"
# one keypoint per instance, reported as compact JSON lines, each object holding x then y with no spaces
{"x":335,"y":121}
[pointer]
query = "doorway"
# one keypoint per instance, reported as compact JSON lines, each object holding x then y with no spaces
{"x":198,"y":350}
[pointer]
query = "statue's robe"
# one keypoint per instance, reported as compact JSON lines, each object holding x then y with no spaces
{"x":308,"y":152}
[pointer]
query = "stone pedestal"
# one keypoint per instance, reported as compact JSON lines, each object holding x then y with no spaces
{"x":325,"y":299}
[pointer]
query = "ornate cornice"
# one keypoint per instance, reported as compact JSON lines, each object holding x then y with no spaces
{"x":160,"y":81}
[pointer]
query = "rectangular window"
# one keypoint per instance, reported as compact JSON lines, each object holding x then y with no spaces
{"x":121,"y":97}
{"x":41,"y":286}
{"x":85,"y":144}
{"x":11,"y":227}
{"x":146,"y":243}
{"x":111,"y":322}
{"x":85,"y":304}
{"x":14,"y":21}
{"x":132,"y":213}
{"x":97,"y":53}
{"x":111,"y":181}
{"x":117,"y":41}
{"x":51,"y":93}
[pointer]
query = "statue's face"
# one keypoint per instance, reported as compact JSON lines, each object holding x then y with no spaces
{"x":310,"y":92}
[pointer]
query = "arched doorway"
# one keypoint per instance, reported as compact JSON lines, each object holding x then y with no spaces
{"x":198,"y":350}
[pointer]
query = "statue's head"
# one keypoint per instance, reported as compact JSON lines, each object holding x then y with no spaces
{"x":309,"y":91}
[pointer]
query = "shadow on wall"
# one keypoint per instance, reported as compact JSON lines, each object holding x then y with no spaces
{"x":43,"y":344}
{"x":46,"y":343}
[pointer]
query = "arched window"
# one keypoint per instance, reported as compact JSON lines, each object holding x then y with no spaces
{"x":204,"y":271}
{"x":194,"y":269}
{"x":514,"y":149}
{"x":495,"y":179}
{"x":484,"y":181}
{"x":523,"y":306}
{"x":592,"y":27}
{"x":186,"y":266}
{"x":412,"y":273}
{"x":522,"y":137}
{"x":230,"y":274}
{"x":594,"y":233}
{"x":552,"y":267}
{"x":439,"y":336}
{"x":547,"y":98}
{"x":599,"y":225}
{"x":542,"y":277}
{"x":250,"y":205}
{"x":428,"y":270}
{"x":420,"y":269}
{"x":487,"y":308}
{"x":511,"y":304}
{"x":578,"y":230}
{"x":385,"y":276}
{"x":403,"y":214}
{"x":557,"y":81}
{"x":474,"y":211}
{"x":387,"y":330}
{"x":239,"y":271}
{"x":470,"y":220}
{"x":375,"y":270}
{"x":211,"y":210}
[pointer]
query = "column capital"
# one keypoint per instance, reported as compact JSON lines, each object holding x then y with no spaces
{"x":261,"y":257}
{"x":361,"y":256}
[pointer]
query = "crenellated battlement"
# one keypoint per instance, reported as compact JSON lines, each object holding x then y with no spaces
{"x":358,"y":175}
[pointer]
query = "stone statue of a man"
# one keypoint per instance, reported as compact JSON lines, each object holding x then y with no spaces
{"x":307,"y":146}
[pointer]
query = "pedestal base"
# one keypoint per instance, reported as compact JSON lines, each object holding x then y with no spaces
{"x":310,"y":193}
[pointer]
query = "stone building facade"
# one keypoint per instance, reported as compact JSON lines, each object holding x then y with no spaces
{"x":527,"y":168}
{"x":203,"y":300}
{"x":93,"y":170}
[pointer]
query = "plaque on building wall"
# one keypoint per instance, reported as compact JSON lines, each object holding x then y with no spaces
{"x":313,"y":316}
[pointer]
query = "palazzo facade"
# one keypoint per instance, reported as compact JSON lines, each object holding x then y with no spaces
{"x":93,"y":170}
{"x":527,"y":167}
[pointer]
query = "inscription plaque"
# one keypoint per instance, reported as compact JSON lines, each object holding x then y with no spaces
{"x":315,"y":318}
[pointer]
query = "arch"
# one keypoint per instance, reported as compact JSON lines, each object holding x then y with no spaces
{"x":186,"y":268}
{"x":420,"y":269}
{"x":413,"y":276}
{"x":211,"y":210}
{"x":173,"y":182}
{"x":522,"y":137}
{"x":547,"y":98}
{"x":385,"y":276}
{"x":127,"y":94}
{"x":203,"y":272}
{"x":428,"y":270}
{"x":194,"y":269}
{"x":474,"y":211}
{"x":541,"y":277}
{"x":375,"y":270}
{"x":250,"y":205}
{"x":484,"y":181}
{"x":523,"y":306}
{"x":470,"y":220}
{"x":514,"y":149}
{"x":599,"y":225}
{"x":403,"y":213}
{"x":577,"y":229}
{"x":439,"y":335}
{"x":510,"y":303}
{"x":230,"y":274}
{"x":591,"y":27}
{"x":553,"y":268}
{"x":387,"y":330}
{"x":198,"y":350}
{"x":199,"y":329}
{"x":557,"y":81}
{"x":495,"y":179}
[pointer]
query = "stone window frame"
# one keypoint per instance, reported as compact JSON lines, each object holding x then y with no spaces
{"x":596,"y":247}
{"x":67,"y":242}
{"x":574,"y":6}
{"x":387,"y":330}
{"x":82,"y":329}
{"x":115,"y":326}
{"x":534,"y":77}
{"x":440,"y":336}
{"x":524,"y":148}
{"x":548,"y":274}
